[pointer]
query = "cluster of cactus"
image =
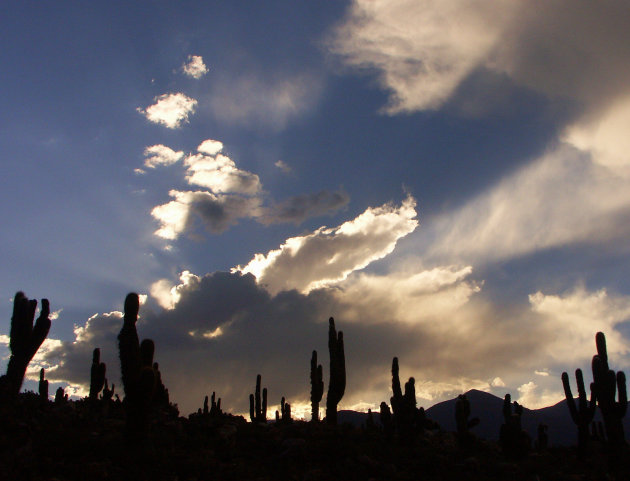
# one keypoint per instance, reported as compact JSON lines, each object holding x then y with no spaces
{"x":337,"y":384}
{"x":140,"y":377}
{"x":408,"y":420}
{"x":582,"y":414}
{"x":215,"y":406}
{"x":514,"y":441}
{"x":26,"y":339}
{"x":605,"y":386}
{"x":317,"y":387}
{"x":284,"y":415}
{"x":462,"y":421}
{"x":258,"y":406}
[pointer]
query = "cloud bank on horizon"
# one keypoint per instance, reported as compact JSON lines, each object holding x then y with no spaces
{"x":399,"y":281}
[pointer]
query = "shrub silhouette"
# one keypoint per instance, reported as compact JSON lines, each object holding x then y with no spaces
{"x":26,"y":339}
{"x":317,"y":387}
{"x":582,"y":414}
{"x":337,"y":383}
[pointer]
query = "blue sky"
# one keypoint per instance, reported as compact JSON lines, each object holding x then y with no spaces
{"x":448,"y":179}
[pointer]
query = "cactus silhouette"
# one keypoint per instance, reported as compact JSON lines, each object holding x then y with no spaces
{"x":605,"y":384}
{"x":514,"y":441}
{"x":258,"y":410}
{"x":462,"y":413}
{"x":136,"y":365}
{"x":583,"y":413}
{"x":406,"y":416}
{"x":26,"y":339}
{"x":317,"y":387}
{"x":43,"y":386}
{"x":97,"y":375}
{"x":337,"y":383}
{"x":285,"y":410}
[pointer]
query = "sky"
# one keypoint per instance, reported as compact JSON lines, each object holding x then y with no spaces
{"x":448,"y":179}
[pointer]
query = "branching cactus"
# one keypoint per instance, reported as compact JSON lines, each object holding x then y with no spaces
{"x":215,"y":407}
{"x":317,"y":387}
{"x":26,"y":339}
{"x":462,"y":413}
{"x":97,"y":375}
{"x":337,"y":384}
{"x":43,"y":386}
{"x":108,"y":393}
{"x":606,"y":384}
{"x":404,"y":409}
{"x":285,"y":409}
{"x":136,"y":364}
{"x":583,"y":413}
{"x":258,"y":410}
{"x":514,"y":441}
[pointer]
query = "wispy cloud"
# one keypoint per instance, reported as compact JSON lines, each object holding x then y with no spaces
{"x":194,"y":67}
{"x":171,"y":110}
{"x":297,"y":209}
{"x":259,"y":100}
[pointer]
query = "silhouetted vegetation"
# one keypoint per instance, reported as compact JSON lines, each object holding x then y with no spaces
{"x":337,"y":383}
{"x":143,"y":437}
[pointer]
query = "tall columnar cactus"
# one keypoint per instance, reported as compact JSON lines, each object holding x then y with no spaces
{"x":462,"y":413}
{"x":43,"y":386}
{"x":26,"y":339}
{"x":136,"y":365}
{"x":285,"y":409}
{"x":258,"y":410}
{"x":514,"y":441}
{"x":583,"y":413}
{"x":337,"y":384}
{"x":97,"y":375}
{"x":606,"y":384}
{"x":317,"y":387}
{"x":404,"y":408}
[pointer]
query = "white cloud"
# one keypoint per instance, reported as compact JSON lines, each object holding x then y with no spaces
{"x":194,"y":67}
{"x":497,"y":382}
{"x":329,"y":255}
{"x":158,"y":155}
{"x":170,"y":110}
{"x":220,"y":175}
{"x":210,"y":147}
{"x":570,"y":321}
{"x":531,"y":396}
{"x":283,"y":166}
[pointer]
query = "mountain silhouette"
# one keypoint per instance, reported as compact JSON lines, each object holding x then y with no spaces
{"x":488,"y":408}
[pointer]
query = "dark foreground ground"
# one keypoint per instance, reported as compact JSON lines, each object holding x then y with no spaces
{"x":72,"y":441}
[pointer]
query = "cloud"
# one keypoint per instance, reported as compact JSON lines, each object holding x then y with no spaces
{"x":216,"y":212}
{"x":170,"y":110}
{"x":297,"y":209}
{"x":421,"y":50}
{"x":562,"y":198}
{"x":194,"y":67}
{"x":570,"y":322}
{"x":220,"y":175}
{"x":283,"y":166}
{"x":533,"y":397}
{"x":210,"y":147}
{"x":254,"y":99}
{"x":328,"y":255}
{"x":158,"y":155}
